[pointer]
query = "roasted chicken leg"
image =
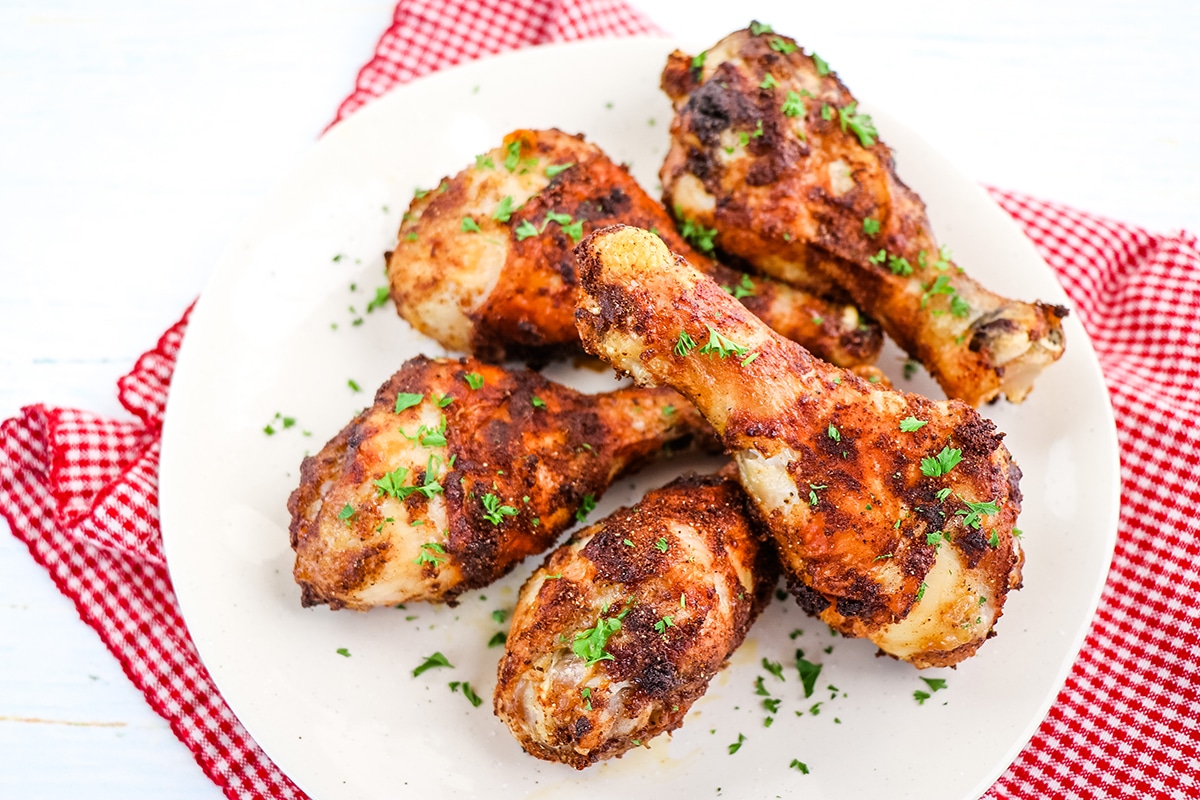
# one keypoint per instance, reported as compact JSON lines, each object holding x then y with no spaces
{"x":892,"y":513}
{"x":769,"y":149}
{"x":621,"y":629}
{"x":457,"y":472}
{"x":485,"y":264}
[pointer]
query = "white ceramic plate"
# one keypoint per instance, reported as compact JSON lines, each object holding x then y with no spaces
{"x":262,"y":342}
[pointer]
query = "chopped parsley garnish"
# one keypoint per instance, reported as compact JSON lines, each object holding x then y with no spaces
{"x":899,"y":265}
{"x":427,"y":554}
{"x":793,"y":106}
{"x":826,"y":111}
{"x":474,"y":380}
{"x":768,"y":82}
{"x":921,"y":590}
{"x":745,"y":288}
{"x":959,"y":307}
{"x":697,"y":235}
{"x":910,"y":424}
{"x":870,"y":226}
{"x":943,"y":261}
{"x":586,"y":694}
{"x":940,"y":285}
{"x":469,"y":225}
{"x":684,"y":344}
{"x":392,"y":483}
{"x":342,"y":651}
{"x":353,"y":384}
{"x":589,"y":644}
{"x":878,"y":258}
{"x":500,"y":615}
{"x":759,"y":688}
{"x":467,"y":691}
{"x":435,"y":660}
{"x":525,"y":230}
{"x":347,"y":514}
{"x":994,"y":539}
{"x":514,"y":156}
{"x":935,"y":683}
{"x":758,"y":130}
{"x":574,"y":230}
{"x":773,"y":667}
{"x":379,"y":300}
{"x":797,"y":764}
{"x":429,"y":437}
{"x":935,"y":538}
{"x":781,"y":46}
{"x":698,"y":61}
{"x":758,"y":28}
{"x":942,"y":463}
{"x":772,"y":704}
{"x":812,"y":493}
{"x":733,"y":748}
{"x":586,"y":507}
{"x":809,"y":672}
{"x":504,"y":211}
{"x":494,"y":511}
{"x":822,"y":65}
{"x":408,"y":400}
{"x":484,"y":161}
{"x":537,"y":402}
{"x":721,"y":345}
{"x":661,"y":544}
{"x":668,"y":411}
{"x":554,"y":169}
{"x":833,"y":433}
{"x":921,"y":697}
{"x":860,"y":124}
{"x":664,"y":623}
{"x":977,"y":510}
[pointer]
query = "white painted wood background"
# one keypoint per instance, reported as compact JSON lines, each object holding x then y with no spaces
{"x":136,"y":135}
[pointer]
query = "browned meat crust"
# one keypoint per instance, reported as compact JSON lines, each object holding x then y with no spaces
{"x":770,"y":150}
{"x":892,"y":513}
{"x":512,"y":275}
{"x":680,"y":577}
{"x":451,"y":492}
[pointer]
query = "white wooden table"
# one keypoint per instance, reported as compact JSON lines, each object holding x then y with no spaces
{"x":135,"y":136}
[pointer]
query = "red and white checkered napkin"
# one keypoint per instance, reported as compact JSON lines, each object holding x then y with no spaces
{"x":81,"y":490}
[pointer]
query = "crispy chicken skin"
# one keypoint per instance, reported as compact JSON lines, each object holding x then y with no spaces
{"x":673,"y":583}
{"x":449,"y":493}
{"x":847,"y":475}
{"x":479,"y":267}
{"x":768,"y":148}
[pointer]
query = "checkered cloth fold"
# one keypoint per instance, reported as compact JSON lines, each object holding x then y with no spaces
{"x":81,"y":490}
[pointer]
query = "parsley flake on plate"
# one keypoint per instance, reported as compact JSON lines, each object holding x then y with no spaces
{"x":432,"y":662}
